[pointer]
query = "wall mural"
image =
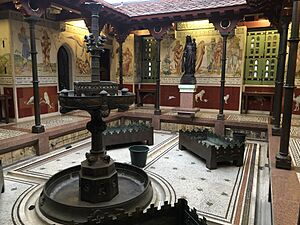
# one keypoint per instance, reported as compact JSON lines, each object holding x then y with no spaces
{"x":298,"y":63}
{"x":5,"y":64}
{"x":128,"y":59}
{"x":5,"y":57}
{"x":209,"y":52}
{"x":46,"y":48}
{"x":82,"y":61}
{"x":48,"y":100}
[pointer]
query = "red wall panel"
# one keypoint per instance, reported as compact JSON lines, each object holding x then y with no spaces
{"x":48,"y":100}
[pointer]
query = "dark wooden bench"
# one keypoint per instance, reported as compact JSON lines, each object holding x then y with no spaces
{"x":126,"y":134}
{"x":211,"y":147}
{"x":1,"y":178}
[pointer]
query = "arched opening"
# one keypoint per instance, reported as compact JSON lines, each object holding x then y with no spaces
{"x":105,"y":65}
{"x":64,"y":68}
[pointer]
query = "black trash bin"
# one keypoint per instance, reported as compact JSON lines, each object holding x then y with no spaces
{"x":138,"y":155}
{"x":240,"y":137}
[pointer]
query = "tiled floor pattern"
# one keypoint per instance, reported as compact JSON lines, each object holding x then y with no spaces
{"x":14,"y":189}
{"x":212,"y":192}
{"x":66,"y":159}
{"x":51,"y":122}
{"x":295,"y":131}
{"x":248,"y":118}
{"x":6,"y":133}
{"x":294,"y":149}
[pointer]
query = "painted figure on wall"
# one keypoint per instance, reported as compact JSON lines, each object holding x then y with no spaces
{"x":200,"y":56}
{"x":234,"y":56}
{"x":5,"y":64}
{"x":218,"y":56}
{"x":177,"y":56}
{"x":46,"y":48}
{"x":82,"y":56}
{"x":189,"y":61}
{"x":127,"y":60}
{"x":210,"y":54}
{"x":298,"y":62}
{"x":24,"y":39}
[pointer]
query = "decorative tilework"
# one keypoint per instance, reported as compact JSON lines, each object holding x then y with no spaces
{"x":248,"y":118}
{"x":294,"y":149}
{"x":5,"y":133}
{"x":51,"y":122}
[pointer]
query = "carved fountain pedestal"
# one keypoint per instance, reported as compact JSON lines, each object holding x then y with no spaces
{"x":98,"y":184}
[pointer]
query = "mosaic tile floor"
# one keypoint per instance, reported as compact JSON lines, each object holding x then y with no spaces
{"x":294,"y":149}
{"x":248,"y":118}
{"x":212,"y":192}
{"x":51,"y":122}
{"x":6,"y":133}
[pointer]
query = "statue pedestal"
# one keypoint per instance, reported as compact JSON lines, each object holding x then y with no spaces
{"x":186,"y":108}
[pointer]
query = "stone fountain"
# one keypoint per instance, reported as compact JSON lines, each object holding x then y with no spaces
{"x":98,"y":184}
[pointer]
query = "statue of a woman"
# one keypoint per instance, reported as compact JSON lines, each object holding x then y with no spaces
{"x":189,"y":62}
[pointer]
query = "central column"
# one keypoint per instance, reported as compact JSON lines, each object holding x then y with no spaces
{"x":157,"y":110}
{"x":222,"y":88}
{"x":37,"y":128}
{"x":283,"y":29}
{"x":283,"y":159}
{"x":95,"y":53}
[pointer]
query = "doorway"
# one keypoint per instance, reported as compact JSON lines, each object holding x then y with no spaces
{"x":63,"y":68}
{"x":105,"y":65}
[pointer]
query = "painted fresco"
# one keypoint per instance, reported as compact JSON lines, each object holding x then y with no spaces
{"x":48,"y":100}
{"x":209,"y":52}
{"x":5,"y":57}
{"x":46,"y":47}
{"x":128,"y":59}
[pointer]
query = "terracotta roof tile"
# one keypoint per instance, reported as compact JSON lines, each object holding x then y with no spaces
{"x":152,"y":7}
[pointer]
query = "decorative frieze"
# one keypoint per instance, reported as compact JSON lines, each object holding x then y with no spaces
{"x":28,"y":80}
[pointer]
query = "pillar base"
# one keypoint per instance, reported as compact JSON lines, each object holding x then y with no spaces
{"x":37,"y":129}
{"x":220,"y":128}
{"x":276,"y":131}
{"x":220,"y":117}
{"x":272,"y":120}
{"x":157,"y":112}
{"x":283,"y":162}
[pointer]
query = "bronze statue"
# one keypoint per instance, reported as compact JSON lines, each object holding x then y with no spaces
{"x":189,"y":61}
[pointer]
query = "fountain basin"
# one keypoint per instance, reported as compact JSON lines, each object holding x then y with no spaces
{"x":60,"y":199}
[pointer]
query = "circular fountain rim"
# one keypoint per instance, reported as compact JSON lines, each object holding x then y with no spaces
{"x":142,"y":200}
